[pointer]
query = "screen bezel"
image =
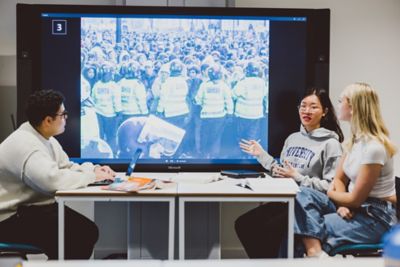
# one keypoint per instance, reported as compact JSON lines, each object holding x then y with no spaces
{"x":284,"y":120}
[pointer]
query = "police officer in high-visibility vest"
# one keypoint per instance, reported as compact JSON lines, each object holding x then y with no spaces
{"x":106,"y":95}
{"x":133,"y":92}
{"x":214,"y":97}
{"x":173,"y":96}
{"x":162,"y":76}
{"x":89,"y":122}
{"x":173,"y":103}
{"x":251,"y":102}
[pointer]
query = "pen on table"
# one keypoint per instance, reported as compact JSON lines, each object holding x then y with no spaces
{"x":245,"y":184}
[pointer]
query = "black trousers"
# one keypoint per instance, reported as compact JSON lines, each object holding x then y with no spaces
{"x":261,"y":230}
{"x":38,"y":226}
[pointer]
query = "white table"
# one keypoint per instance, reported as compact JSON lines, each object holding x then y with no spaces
{"x":263,"y":190}
{"x":188,"y":190}
{"x":95,"y":193}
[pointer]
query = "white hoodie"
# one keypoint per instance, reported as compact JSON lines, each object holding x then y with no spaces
{"x":314,"y":155}
{"x":33,"y":168}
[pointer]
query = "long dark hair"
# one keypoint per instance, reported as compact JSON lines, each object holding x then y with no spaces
{"x":329,"y":121}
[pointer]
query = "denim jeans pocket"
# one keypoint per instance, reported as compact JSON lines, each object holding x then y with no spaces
{"x":380,"y":210}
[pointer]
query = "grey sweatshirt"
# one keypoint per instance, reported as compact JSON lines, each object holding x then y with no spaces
{"x":314,"y":155}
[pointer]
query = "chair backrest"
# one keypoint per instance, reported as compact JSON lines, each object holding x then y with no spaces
{"x":18,"y":250}
{"x":368,"y":250}
{"x":397,"y":184}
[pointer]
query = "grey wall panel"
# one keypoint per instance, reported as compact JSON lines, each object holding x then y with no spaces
{"x":111,"y":218}
{"x":8,"y":67}
{"x":146,"y":2}
{"x":202,"y":231}
{"x":8,"y":96}
{"x":204,"y":3}
{"x":149,"y":230}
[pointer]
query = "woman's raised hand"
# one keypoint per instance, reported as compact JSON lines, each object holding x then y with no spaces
{"x":251,"y":147}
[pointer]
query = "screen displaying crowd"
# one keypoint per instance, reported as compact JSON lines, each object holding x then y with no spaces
{"x":181,"y":88}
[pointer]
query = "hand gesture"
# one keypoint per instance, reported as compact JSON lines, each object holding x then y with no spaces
{"x":286,"y":171}
{"x":345,"y":213}
{"x":103,"y":172}
{"x":251,"y":147}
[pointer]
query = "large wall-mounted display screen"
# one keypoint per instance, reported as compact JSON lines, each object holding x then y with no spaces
{"x":184,"y":85}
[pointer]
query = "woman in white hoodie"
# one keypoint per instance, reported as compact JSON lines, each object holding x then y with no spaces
{"x":309,"y":156}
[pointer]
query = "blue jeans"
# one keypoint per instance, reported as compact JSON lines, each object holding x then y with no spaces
{"x":315,"y":216}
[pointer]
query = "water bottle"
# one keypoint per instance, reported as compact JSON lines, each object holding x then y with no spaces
{"x":391,"y":247}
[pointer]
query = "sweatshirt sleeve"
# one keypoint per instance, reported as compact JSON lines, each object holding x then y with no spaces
{"x":43,"y":174}
{"x":332,"y":154}
{"x":266,"y":160}
{"x":64,"y":162}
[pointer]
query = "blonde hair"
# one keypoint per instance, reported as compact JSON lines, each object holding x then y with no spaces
{"x":366,"y":120}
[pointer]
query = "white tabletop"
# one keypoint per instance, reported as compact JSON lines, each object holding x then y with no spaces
{"x":241,"y":187}
{"x":168,"y":189}
{"x":198,"y":184}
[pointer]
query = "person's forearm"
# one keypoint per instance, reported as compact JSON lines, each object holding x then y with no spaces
{"x":339,"y":185}
{"x":312,"y":182}
{"x":266,"y":160}
{"x":344,"y":199}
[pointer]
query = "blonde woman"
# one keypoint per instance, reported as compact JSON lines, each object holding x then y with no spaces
{"x":358,"y":207}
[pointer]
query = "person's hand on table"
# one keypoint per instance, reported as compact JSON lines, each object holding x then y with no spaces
{"x":104,"y":172}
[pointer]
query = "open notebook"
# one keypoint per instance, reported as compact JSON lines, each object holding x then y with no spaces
{"x":131,"y":184}
{"x":128,"y":172}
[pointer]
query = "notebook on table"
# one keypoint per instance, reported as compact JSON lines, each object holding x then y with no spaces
{"x":128,"y":172}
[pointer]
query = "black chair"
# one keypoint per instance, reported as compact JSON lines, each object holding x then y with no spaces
{"x":367,"y":250}
{"x":18,"y":250}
